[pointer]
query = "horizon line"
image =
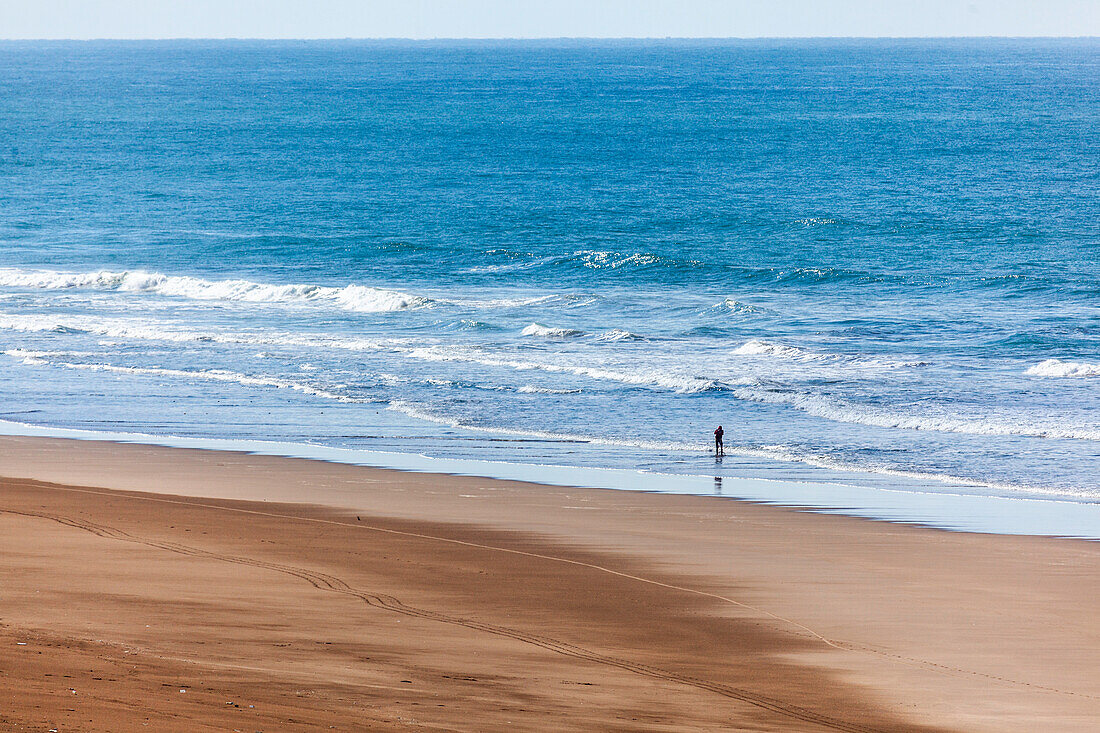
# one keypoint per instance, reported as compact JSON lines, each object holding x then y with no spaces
{"x":548,"y":38}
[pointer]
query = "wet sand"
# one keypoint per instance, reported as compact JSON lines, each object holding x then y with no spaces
{"x":146,"y":588}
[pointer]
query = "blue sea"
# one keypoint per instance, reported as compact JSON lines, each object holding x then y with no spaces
{"x":875,"y":263}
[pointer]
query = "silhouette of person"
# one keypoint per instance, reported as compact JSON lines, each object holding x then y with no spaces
{"x":719,"y":450}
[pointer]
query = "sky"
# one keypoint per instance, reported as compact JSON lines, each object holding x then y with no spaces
{"x":82,"y":19}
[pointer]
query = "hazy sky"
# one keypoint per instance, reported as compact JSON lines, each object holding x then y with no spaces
{"x":549,"y":18}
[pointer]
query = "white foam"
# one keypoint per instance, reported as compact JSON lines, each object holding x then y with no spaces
{"x":31,"y":354}
{"x":736,"y":307}
{"x":617,"y":334}
{"x":1059,"y":368}
{"x":758,"y":347}
{"x":844,"y":411}
{"x":535,"y":389}
{"x":352,"y":297}
{"x":608,"y":260}
{"x":144,"y":330}
{"x":490,"y":303}
{"x":817,"y":405}
{"x":682,"y":384}
{"x":215,"y":375}
{"x":591,"y":259}
{"x":358,"y":298}
{"x":613,"y":260}
{"x":537,"y":329}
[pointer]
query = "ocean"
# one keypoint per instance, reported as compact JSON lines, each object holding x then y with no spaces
{"x":875,"y":263}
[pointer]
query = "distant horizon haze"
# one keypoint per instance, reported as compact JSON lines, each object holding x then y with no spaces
{"x":529,"y":20}
{"x":545,"y":39}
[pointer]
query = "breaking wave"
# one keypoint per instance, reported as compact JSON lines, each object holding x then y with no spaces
{"x":534,"y":389}
{"x":585,"y":259}
{"x":617,"y":334}
{"x":537,"y":329}
{"x":1059,"y":368}
{"x":729,"y":306}
{"x":359,"y":298}
{"x":757,"y":347}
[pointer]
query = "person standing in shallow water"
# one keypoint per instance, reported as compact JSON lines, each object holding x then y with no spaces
{"x":719,"y":450}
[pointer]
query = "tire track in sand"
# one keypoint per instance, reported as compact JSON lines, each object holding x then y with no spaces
{"x":333,"y":584}
{"x":792,"y":627}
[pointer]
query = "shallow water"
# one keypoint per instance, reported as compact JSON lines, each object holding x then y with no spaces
{"x":874,"y":263}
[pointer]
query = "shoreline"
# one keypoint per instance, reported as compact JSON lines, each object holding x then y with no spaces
{"x":940,"y":506}
{"x":254,"y":578}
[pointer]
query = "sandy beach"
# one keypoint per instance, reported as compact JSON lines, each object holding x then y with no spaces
{"x":147,"y":588}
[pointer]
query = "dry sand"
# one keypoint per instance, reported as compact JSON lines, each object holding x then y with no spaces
{"x":146,"y":588}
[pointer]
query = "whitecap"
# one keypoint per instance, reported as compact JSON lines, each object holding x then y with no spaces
{"x":537,"y":329}
{"x":735,"y":307}
{"x":756,"y":347}
{"x":617,"y":334}
{"x":534,"y":389}
{"x":759,"y":347}
{"x":358,"y":298}
{"x":1059,"y":368}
